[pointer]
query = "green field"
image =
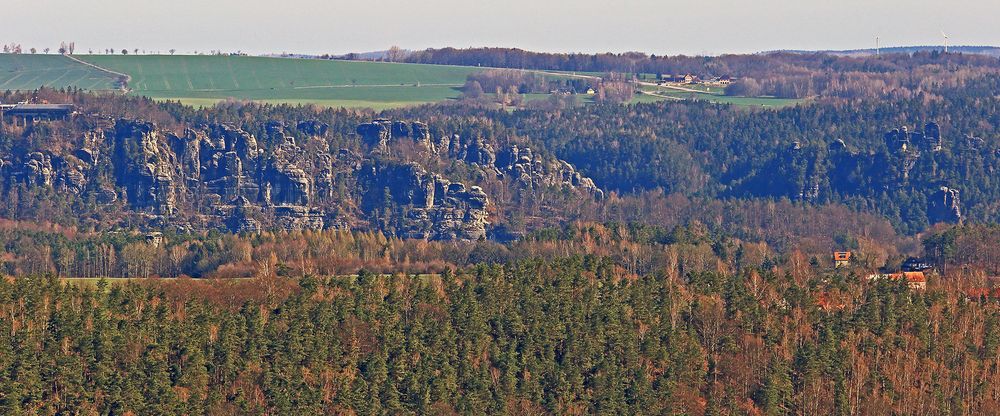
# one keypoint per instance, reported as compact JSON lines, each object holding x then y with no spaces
{"x":715,"y":97}
{"x":202,"y":80}
{"x":28,"y":72}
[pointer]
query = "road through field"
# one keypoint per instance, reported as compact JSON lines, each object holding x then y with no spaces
{"x":125,"y":77}
{"x":376,"y":86}
{"x":25,"y":72}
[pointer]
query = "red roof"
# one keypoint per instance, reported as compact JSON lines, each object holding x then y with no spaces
{"x":841,"y":255}
{"x":912,"y":277}
{"x":915,"y":277}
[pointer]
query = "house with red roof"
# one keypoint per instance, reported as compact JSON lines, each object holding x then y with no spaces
{"x":915,"y":280}
{"x":841,"y":258}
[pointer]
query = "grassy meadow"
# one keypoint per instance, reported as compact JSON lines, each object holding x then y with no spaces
{"x":711,"y":94}
{"x":29,"y":72}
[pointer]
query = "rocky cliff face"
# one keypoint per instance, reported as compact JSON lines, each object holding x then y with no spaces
{"x":146,"y":170}
{"x":945,"y":206}
{"x":520,"y":164}
{"x":380,"y":133}
{"x":220,"y":175}
{"x":907,"y":169}
{"x":423,"y":205}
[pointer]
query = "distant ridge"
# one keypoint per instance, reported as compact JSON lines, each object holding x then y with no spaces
{"x":972,"y":50}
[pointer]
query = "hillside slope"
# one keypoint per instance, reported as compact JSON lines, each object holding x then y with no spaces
{"x":204,"y":80}
{"x":28,"y":72}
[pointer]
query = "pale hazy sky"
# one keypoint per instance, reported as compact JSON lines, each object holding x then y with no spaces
{"x":332,"y":26}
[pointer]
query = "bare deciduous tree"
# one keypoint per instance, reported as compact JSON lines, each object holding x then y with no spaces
{"x":395,"y":54}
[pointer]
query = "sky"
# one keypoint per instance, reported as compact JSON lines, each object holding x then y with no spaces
{"x":334,"y":26}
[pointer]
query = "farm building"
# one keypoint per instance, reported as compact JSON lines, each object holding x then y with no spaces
{"x":725,"y":80}
{"x":680,"y":79}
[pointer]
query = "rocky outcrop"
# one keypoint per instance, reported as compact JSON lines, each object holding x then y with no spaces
{"x":292,"y":178}
{"x":471,"y":150}
{"x":932,"y":137}
{"x":530,"y":170}
{"x":38,"y":170}
{"x":423,"y":205}
{"x":376,"y":135}
{"x":313,"y":127}
{"x":523,"y":166}
{"x":837,"y":146}
{"x":379,"y":133}
{"x":286,"y":184}
{"x":429,"y":206}
{"x":945,"y":206}
{"x":902,"y":139}
{"x":243,"y":218}
{"x":146,"y":169}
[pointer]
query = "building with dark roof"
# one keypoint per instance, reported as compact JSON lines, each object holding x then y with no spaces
{"x":28,"y":113}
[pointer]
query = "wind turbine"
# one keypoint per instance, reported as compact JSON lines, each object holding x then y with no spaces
{"x":945,"y":41}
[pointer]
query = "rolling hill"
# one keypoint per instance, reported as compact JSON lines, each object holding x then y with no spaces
{"x":28,"y":72}
{"x":206,"y":79}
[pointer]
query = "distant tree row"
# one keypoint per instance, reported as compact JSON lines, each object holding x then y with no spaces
{"x":789,"y":75}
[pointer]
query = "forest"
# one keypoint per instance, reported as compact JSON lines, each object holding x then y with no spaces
{"x":634,"y":321}
{"x":673,"y":257}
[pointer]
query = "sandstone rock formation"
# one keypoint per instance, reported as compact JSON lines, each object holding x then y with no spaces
{"x":532,"y":171}
{"x":146,"y":168}
{"x":901,"y":139}
{"x":313,"y":127}
{"x":425,"y":205}
{"x":520,"y":164}
{"x":222,"y":176}
{"x":945,"y":206}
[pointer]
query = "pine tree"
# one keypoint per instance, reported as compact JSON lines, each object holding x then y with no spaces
{"x":775,"y":396}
